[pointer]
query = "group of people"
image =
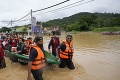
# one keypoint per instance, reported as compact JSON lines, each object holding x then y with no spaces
{"x":13,"y":43}
{"x":63,"y":51}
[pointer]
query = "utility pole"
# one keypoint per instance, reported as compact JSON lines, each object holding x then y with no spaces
{"x":32,"y":31}
{"x":41,"y":27}
{"x":11,"y":26}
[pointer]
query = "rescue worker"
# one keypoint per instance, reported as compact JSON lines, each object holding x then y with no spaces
{"x":37,"y":60}
{"x":28,"y":42}
{"x":66,"y":53}
{"x":2,"y":59}
{"x":54,"y":42}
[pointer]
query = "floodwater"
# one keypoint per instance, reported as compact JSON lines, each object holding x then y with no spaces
{"x":96,"y":57}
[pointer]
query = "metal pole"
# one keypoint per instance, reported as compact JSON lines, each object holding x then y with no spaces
{"x":11,"y":27}
{"x":41,"y":27}
{"x":32,"y":31}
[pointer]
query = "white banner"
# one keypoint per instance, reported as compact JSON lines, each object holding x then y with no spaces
{"x":34,"y":21}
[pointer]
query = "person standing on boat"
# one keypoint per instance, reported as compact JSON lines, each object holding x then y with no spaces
{"x":2,"y":59}
{"x":54,"y":42}
{"x":66,"y":53}
{"x":37,"y":60}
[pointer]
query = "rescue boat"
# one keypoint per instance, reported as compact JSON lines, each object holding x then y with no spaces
{"x":23,"y":59}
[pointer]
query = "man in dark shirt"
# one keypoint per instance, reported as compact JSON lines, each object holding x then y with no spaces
{"x":21,"y":49}
{"x":37,"y":74}
{"x":54,"y":42}
{"x":32,"y":50}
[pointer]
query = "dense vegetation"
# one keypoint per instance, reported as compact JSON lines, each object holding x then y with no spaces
{"x":83,"y":21}
{"x":86,"y":21}
{"x":107,"y":29}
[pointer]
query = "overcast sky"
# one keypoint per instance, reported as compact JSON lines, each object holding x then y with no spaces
{"x":16,"y":9}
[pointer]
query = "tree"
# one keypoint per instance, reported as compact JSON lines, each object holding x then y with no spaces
{"x":85,"y":22}
{"x":115,"y":21}
{"x":84,"y":26}
{"x":4,"y":29}
{"x":24,"y":29}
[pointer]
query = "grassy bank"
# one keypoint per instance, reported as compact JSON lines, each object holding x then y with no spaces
{"x":109,"y":29}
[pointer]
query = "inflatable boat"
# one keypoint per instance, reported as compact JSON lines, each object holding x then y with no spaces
{"x":23,"y":59}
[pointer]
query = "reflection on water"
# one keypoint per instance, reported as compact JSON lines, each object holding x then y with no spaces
{"x":97,"y":57}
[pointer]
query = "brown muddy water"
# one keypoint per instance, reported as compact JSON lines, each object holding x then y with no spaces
{"x":96,"y":57}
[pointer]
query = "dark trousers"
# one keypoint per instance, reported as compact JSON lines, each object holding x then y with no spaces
{"x":2,"y":62}
{"x":66,"y":62}
{"x":37,"y":74}
{"x":54,"y":53}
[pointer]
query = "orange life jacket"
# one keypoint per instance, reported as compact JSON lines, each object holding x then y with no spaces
{"x":40,"y":60}
{"x":27,"y":44}
{"x":68,"y":53}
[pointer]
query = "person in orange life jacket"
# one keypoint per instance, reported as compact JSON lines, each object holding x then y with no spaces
{"x":66,"y":53}
{"x":37,"y":59}
{"x":54,"y":42}
{"x":2,"y":59}
{"x":41,"y":42}
{"x":28,"y":42}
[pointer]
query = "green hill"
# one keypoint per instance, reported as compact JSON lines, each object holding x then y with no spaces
{"x":86,"y":21}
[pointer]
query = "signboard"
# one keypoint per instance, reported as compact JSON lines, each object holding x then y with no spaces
{"x":40,"y":31}
{"x":34,"y":29}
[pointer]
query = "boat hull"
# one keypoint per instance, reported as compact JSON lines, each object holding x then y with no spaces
{"x":23,"y":59}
